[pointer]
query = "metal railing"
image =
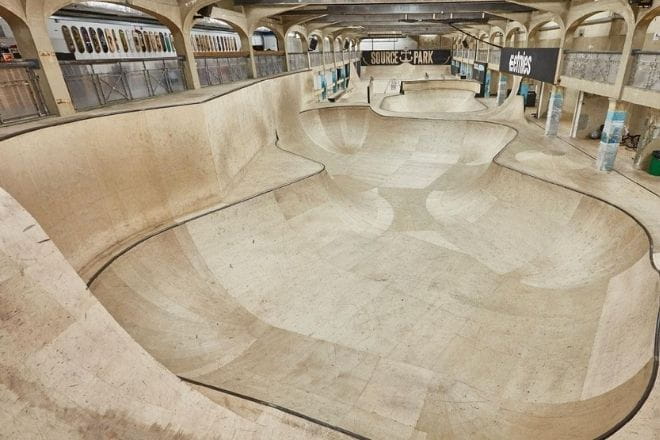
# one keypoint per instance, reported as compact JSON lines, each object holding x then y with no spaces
{"x":20,"y":95}
{"x":494,"y":57}
{"x":98,"y":83}
{"x":339,"y":58}
{"x":315,"y":59}
{"x":297,"y":61}
{"x":593,"y":66}
{"x":213,"y":71}
{"x":270,"y":64}
{"x":327,"y":58}
{"x":470,"y":54}
{"x":482,"y":55}
{"x":645,"y":71}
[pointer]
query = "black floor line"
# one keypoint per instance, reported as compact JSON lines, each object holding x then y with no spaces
{"x":277,"y":407}
{"x":608,"y":433}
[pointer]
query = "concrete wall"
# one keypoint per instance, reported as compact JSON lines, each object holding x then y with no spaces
{"x":595,"y":36}
{"x":592,"y":116}
{"x":90,"y":211}
{"x":652,"y":32}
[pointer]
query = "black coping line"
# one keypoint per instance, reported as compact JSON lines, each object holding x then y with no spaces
{"x":277,"y":407}
{"x":204,"y":213}
{"x":656,"y":349}
{"x":656,"y":343}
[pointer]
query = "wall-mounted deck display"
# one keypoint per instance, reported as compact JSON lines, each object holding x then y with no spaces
{"x":396,"y":57}
{"x":97,"y":39}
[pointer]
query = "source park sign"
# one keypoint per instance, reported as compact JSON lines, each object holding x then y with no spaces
{"x":397,"y":57}
{"x":539,"y":64}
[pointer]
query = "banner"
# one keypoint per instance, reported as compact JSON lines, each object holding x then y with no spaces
{"x":479,"y":71}
{"x":539,"y":64}
{"x":455,"y":67}
{"x":396,"y":57}
{"x":479,"y":74}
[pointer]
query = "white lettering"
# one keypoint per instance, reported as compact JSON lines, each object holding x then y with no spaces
{"x":520,"y":63}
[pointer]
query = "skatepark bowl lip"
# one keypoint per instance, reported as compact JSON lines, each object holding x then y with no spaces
{"x":401,"y":103}
{"x":611,"y":431}
{"x":322,"y":168}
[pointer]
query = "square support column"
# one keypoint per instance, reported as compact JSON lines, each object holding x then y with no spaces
{"x":555,"y":105}
{"x":611,"y":136}
{"x":501,"y":89}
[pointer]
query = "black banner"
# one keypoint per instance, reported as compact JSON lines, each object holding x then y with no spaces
{"x":455,"y":67}
{"x":415,"y":57}
{"x":479,"y":71}
{"x":479,"y":74}
{"x":539,"y":64}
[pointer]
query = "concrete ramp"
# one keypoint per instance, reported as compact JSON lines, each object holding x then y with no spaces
{"x":414,"y":287}
{"x":382,"y":276}
{"x":438,"y":100}
{"x":407,"y":72}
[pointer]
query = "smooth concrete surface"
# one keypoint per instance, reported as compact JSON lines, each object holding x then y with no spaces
{"x":69,"y":371}
{"x":438,"y":100}
{"x":406,"y":71}
{"x":438,"y":276}
{"x":451,"y":83}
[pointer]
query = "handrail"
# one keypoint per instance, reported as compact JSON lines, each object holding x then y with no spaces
{"x":604,"y":52}
{"x":27,"y":63}
{"x":118,"y":60}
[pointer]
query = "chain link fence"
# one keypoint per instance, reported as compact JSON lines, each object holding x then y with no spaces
{"x":213,"y":71}
{"x":96,"y":84}
{"x":268,"y":65}
{"x":645,"y":72}
{"x":593,"y":66}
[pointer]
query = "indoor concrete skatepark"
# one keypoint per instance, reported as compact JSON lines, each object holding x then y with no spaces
{"x":373,"y":275}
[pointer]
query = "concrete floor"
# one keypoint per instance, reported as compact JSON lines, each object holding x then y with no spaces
{"x":394,"y":275}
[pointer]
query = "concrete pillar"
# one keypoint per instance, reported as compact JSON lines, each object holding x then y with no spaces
{"x":555,"y":104}
{"x":184,"y":47}
{"x":34,"y":42}
{"x":540,"y":108}
{"x":577,"y":112}
{"x":612,"y":133}
{"x":501,"y":89}
{"x":488,"y":78}
{"x":253,"y":64}
{"x":647,"y":139}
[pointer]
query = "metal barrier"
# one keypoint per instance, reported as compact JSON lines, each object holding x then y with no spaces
{"x":327,"y":58}
{"x":270,"y":64}
{"x":213,"y":71}
{"x":98,"y":83}
{"x":20,"y":95}
{"x":592,"y":66}
{"x":494,"y":57}
{"x":482,"y":55}
{"x":645,"y":71}
{"x":315,"y":59}
{"x":297,"y":61}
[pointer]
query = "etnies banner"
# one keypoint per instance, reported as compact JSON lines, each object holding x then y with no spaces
{"x":397,"y":57}
{"x":539,"y":64}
